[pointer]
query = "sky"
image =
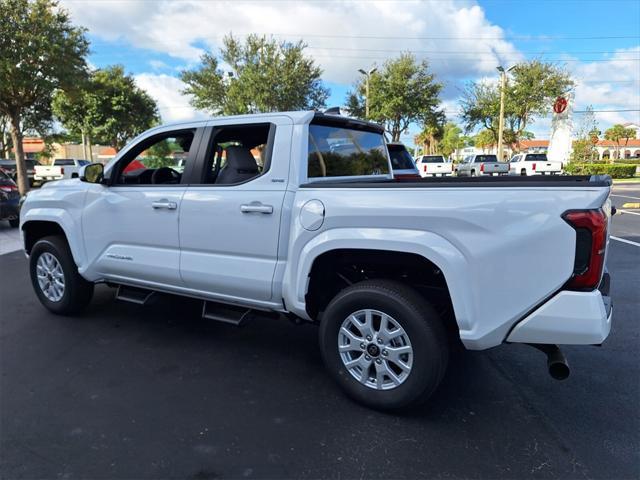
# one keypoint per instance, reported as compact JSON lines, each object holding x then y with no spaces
{"x":597,"y":41}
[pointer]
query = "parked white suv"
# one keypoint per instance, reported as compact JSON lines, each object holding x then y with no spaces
{"x":297,"y":214}
{"x":533,"y":164}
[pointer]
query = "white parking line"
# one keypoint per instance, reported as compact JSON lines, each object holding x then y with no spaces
{"x":628,"y":211}
{"x":625,"y":196}
{"x":624,"y":240}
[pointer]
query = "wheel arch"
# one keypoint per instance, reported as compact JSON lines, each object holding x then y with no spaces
{"x":405,"y":248}
{"x":36,"y":227}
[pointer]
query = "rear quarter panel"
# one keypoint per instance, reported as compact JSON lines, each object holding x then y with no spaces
{"x":502,"y":250}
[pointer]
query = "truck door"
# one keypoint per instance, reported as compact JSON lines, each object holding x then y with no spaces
{"x":130,"y":226}
{"x":230,"y":219}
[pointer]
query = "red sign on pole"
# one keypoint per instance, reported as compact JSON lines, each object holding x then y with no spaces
{"x":560,"y":105}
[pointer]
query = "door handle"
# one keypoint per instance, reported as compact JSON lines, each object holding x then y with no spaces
{"x":256,"y":207}
{"x":164,"y":204}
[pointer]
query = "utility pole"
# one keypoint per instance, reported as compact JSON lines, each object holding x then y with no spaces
{"x":503,"y":87}
{"x":366,"y":88}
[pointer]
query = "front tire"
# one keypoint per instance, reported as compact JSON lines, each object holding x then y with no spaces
{"x":14,"y":222}
{"x":55,"y":277}
{"x":384,"y":344}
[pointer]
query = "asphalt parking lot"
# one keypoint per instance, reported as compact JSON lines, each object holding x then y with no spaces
{"x":155,"y":392}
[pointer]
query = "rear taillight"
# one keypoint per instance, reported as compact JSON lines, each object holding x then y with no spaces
{"x":62,"y":170}
{"x":482,"y":167}
{"x":8,"y":188}
{"x":591,"y":242}
{"x":425,"y":168}
{"x":533,"y":167}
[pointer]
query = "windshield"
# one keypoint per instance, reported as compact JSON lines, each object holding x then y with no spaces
{"x":336,"y":151}
{"x":433,"y":159}
{"x":486,"y":158}
{"x":536,"y":157}
{"x":400,"y":158}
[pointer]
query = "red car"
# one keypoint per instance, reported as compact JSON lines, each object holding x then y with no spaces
{"x":9,"y":200}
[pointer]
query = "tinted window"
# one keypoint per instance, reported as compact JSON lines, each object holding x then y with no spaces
{"x":400,"y":158}
{"x":63,"y":162}
{"x":433,"y":159}
{"x":344,"y":152}
{"x":238,"y":154}
{"x":486,"y":158}
{"x":536,"y":157}
{"x":158,"y":160}
{"x":4,"y":176}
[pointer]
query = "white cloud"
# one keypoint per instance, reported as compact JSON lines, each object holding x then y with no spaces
{"x":613,"y":84}
{"x":165,"y":89}
{"x":158,"y":64}
{"x":344,"y":36}
{"x":182,"y":28}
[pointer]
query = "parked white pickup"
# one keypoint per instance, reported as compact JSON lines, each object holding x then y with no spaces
{"x":297,"y":215}
{"x":482,"y":165}
{"x":59,"y":169}
{"x":533,"y":164}
{"x":434,"y":166}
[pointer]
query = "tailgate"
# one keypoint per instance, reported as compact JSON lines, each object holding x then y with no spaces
{"x":548,"y":167}
{"x":437,"y":168}
{"x":496,"y":167}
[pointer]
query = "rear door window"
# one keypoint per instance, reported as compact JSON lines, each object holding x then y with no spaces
{"x":433,"y":159}
{"x":486,"y":158}
{"x":336,"y":151}
{"x":63,"y":163}
{"x":536,"y":157}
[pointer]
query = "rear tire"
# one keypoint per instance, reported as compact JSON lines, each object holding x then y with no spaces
{"x":523,"y":172}
{"x":473,"y":173}
{"x":414,"y":374}
{"x":55,"y":277}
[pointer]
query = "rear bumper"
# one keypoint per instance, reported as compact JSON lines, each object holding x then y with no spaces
{"x":569,"y":318}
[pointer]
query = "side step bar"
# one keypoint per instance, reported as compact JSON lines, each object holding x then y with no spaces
{"x":139,"y":296}
{"x":220,"y":312}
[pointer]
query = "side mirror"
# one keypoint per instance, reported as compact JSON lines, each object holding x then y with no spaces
{"x":92,"y":173}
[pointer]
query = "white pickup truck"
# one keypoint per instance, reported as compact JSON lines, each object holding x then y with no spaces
{"x":59,"y":169}
{"x":533,"y":164}
{"x":482,"y":165}
{"x":434,"y":166}
{"x":297,"y":215}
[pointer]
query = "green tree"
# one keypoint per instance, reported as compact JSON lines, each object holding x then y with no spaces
{"x":402,"y":92}
{"x":530,"y":93}
{"x":618,"y":133}
{"x":429,"y":138}
{"x":265,"y":76}
{"x":485,"y":139}
{"x":40,"y":51}
{"x":452,"y":139}
{"x":109,"y":107}
{"x":587,"y":136}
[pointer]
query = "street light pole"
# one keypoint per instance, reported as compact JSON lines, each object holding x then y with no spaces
{"x":503,"y":87}
{"x":366,"y":88}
